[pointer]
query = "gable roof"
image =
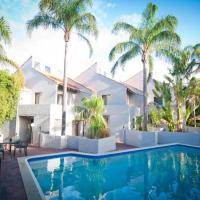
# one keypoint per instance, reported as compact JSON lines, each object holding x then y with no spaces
{"x":94,"y":68}
{"x":71,"y":84}
{"x":133,"y":89}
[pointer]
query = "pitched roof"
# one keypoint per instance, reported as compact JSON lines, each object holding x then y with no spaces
{"x":94,"y":67}
{"x":71,"y":84}
{"x":133,"y":89}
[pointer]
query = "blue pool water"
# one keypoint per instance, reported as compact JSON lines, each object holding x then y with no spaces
{"x":155,"y":174}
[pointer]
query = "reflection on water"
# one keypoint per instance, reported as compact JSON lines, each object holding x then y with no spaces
{"x":159,"y":174}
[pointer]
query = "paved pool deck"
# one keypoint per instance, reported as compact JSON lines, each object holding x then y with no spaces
{"x":11,"y":184}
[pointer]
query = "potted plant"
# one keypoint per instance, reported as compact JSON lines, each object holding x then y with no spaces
{"x":98,"y":139}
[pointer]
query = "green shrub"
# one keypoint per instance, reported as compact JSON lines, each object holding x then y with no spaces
{"x":9,"y":96}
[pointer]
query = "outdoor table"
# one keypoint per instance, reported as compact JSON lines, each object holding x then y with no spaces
{"x":10,"y":142}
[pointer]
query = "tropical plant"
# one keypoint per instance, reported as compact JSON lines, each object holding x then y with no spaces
{"x":156,"y":115}
{"x":5,"y":37}
{"x":178,"y":109}
{"x":9,"y":95}
{"x":82,"y":114}
{"x":97,"y":124}
{"x":151,"y":36}
{"x":69,"y":16}
{"x":185,"y":88}
{"x":163,"y":91}
{"x":139,"y":120}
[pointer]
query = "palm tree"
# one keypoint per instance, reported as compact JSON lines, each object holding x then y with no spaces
{"x":150,"y":37}
{"x":67,"y":16}
{"x":5,"y":37}
{"x":185,"y":63}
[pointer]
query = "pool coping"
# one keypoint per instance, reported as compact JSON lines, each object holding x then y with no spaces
{"x":31,"y":185}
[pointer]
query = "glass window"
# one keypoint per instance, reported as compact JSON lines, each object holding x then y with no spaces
{"x":105,"y":99}
{"x":60,"y":99}
{"x":37,"y":97}
{"x":158,"y":100}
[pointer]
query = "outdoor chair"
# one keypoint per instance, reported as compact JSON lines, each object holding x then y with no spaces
{"x":0,"y":164}
{"x":2,"y":150}
{"x":21,"y":145}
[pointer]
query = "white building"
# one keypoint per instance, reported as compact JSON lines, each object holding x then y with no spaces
{"x":40,"y":110}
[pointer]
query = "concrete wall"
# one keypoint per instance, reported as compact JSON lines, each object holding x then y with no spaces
{"x":53,"y":141}
{"x":27,"y":96}
{"x":39,"y":83}
{"x":184,"y":138}
{"x":117,"y":108}
{"x":137,"y":82}
{"x":141,"y":139}
{"x":8,"y":129}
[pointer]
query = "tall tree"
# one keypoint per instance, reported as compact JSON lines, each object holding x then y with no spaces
{"x":151,"y":36}
{"x":67,"y":16}
{"x":10,"y":84}
{"x":5,"y":37}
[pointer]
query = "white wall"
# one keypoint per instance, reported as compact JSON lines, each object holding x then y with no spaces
{"x":137,"y":82}
{"x":119,"y":112}
{"x":39,"y":83}
{"x":185,"y":138}
{"x":27,"y":96}
{"x":141,"y":139}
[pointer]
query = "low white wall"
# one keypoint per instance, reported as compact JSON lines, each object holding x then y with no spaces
{"x":72,"y":142}
{"x":97,"y":145}
{"x":184,"y":138}
{"x":193,"y":129}
{"x":53,"y":141}
{"x":59,"y":142}
{"x":140,"y":138}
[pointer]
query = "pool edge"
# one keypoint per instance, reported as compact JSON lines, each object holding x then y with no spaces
{"x":31,"y":185}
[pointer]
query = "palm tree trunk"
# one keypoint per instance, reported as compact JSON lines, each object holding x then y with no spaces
{"x":144,"y":94}
{"x":64,"y":106}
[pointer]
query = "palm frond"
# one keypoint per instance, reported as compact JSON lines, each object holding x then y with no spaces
{"x":149,"y":15}
{"x":123,"y":26}
{"x":168,"y":37}
{"x":44,"y":20}
{"x":6,"y":61}
{"x":122,"y":60}
{"x":121,"y":48}
{"x":86,"y":23}
{"x":85,"y":39}
{"x":5,"y":32}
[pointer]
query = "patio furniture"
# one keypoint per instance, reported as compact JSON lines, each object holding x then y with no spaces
{"x":2,"y":150}
{"x":21,"y":145}
{"x":9,"y":141}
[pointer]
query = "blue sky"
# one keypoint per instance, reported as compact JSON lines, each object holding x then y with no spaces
{"x":107,"y":12}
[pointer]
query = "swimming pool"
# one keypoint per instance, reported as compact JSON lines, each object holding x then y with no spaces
{"x":167,"y":172}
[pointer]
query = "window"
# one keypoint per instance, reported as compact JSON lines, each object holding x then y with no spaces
{"x":37,"y":97}
{"x":60,"y":99}
{"x":105,"y":99}
{"x":129,"y":98}
{"x":37,"y":65}
{"x":158,"y":100}
{"x":47,"y":69}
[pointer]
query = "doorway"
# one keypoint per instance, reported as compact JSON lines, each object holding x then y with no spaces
{"x":25,"y":129}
